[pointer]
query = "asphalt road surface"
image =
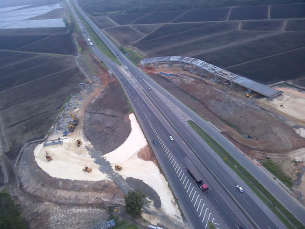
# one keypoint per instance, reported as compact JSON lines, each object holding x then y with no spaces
{"x":227,"y":201}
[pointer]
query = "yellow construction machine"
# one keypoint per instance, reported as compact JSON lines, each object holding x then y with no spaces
{"x":78,"y":142}
{"x":118,"y":167}
{"x":71,"y":127}
{"x":75,"y":120}
{"x":87,"y":169}
{"x":48,"y":157}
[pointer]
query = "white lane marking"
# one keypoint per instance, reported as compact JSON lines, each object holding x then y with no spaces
{"x":194,"y":196}
{"x":174,"y":164}
{"x":246,"y":201}
{"x":188,"y":188}
{"x":205,"y":214}
{"x":184,"y":180}
{"x":180,"y":174}
{"x":191,"y":191}
{"x":208,"y":221}
{"x":196,"y":200}
{"x":201,"y":209}
{"x":198,"y":205}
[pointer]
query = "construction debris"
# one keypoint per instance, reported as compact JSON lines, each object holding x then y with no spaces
{"x":53,"y":142}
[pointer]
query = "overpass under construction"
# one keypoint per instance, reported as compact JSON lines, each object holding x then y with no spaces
{"x":219,"y":73}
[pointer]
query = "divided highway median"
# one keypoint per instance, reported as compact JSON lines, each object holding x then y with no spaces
{"x":275,"y":206}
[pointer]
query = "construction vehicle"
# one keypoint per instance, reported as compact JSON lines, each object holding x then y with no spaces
{"x":48,"y":157}
{"x":247,"y":95}
{"x":78,"y":142}
{"x":87,"y":169}
{"x":75,"y":120}
{"x":196,"y":174}
{"x":118,"y":167}
{"x":71,"y":127}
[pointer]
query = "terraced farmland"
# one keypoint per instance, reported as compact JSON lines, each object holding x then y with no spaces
{"x":238,"y":38}
{"x":35,"y":80}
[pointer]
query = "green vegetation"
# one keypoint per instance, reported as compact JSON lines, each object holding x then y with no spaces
{"x":278,"y":209}
{"x":10,"y":213}
{"x":124,"y":224}
{"x":96,"y":39}
{"x":132,"y":55}
{"x":100,"y":7}
{"x":211,"y":225}
{"x":104,"y":65}
{"x":63,"y":105}
{"x":276,"y":171}
{"x":134,"y":202}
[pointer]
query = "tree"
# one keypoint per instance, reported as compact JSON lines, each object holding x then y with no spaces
{"x":10,"y":214}
{"x":134,"y":202}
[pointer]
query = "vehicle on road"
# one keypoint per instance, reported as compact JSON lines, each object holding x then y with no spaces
{"x":195,"y":173}
{"x":171,"y":138}
{"x":90,"y":43}
{"x":155,"y":142}
{"x":149,"y":88}
{"x":239,"y":188}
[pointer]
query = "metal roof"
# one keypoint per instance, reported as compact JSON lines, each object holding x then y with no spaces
{"x":242,"y":81}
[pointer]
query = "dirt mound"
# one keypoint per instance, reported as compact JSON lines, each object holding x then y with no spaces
{"x":146,"y":189}
{"x":146,"y":155}
{"x":254,"y":129}
{"x":106,"y":119}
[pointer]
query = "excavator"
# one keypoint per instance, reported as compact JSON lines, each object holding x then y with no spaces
{"x":86,"y":169}
{"x":78,"y":142}
{"x":49,"y":158}
{"x":71,"y":127}
{"x":75,"y":120}
{"x":118,"y":167}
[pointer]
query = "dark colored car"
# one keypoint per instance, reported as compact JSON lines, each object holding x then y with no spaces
{"x":155,"y":143}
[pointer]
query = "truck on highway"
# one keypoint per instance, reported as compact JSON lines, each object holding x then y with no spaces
{"x":195,"y":173}
{"x":90,"y":43}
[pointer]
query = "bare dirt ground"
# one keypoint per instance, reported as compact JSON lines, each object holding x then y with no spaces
{"x":257,"y":126}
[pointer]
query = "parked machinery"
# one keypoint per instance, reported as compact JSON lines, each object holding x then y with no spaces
{"x":48,"y":157}
{"x":87,"y":169}
{"x":71,"y":127}
{"x":78,"y":142}
{"x":75,"y":120}
{"x":118,"y":167}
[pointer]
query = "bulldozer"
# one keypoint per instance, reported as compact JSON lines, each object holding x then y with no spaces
{"x":87,"y":169}
{"x":71,"y":127}
{"x":78,"y":142}
{"x":75,"y":120}
{"x":48,"y":157}
{"x":118,"y":167}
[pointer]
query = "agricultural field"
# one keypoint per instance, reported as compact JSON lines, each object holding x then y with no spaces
{"x":125,"y":35}
{"x":287,"y":11}
{"x":204,"y":15}
{"x":262,"y":25}
{"x":285,"y":66}
{"x":162,"y":17}
{"x":254,"y":50}
{"x":187,"y":36}
{"x":35,"y":81}
{"x":124,"y":19}
{"x":169,"y":29}
{"x":296,"y":25}
{"x":211,"y":43}
{"x":146,"y":29}
{"x":103,"y":22}
{"x":249,"y":13}
{"x":232,"y":37}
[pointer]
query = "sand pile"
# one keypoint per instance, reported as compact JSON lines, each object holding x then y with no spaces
{"x":68,"y":160}
{"x":291,"y":102}
{"x":147,"y":171}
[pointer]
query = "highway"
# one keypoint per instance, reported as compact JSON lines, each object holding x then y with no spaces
{"x":223,"y":197}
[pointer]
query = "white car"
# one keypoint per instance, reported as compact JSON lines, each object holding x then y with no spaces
{"x":239,"y":188}
{"x":171,"y":138}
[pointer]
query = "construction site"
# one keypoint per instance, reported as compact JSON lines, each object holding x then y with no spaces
{"x":262,"y":127}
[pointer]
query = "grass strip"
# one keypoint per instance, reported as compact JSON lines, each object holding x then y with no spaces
{"x":275,"y":206}
{"x":277,"y":171}
{"x":131,"y":55}
{"x":96,"y":39}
